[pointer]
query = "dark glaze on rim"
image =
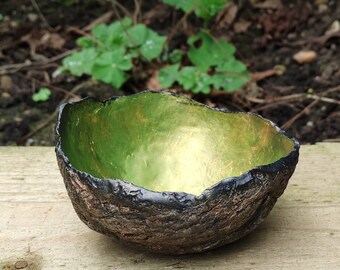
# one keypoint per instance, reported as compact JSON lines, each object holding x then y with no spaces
{"x":177,"y":222}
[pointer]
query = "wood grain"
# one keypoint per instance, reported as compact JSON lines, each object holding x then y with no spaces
{"x":39,"y":226}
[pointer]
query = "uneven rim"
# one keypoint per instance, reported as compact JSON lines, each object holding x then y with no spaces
{"x":174,"y":199}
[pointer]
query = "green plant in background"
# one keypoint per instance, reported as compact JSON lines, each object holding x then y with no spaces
{"x":213,"y":64}
{"x":42,"y":95}
{"x":107,"y":55}
{"x":203,"y":9}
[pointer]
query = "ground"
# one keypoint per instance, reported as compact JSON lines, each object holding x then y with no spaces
{"x":299,"y":92}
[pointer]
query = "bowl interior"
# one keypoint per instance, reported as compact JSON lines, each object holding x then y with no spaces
{"x":166,"y":143}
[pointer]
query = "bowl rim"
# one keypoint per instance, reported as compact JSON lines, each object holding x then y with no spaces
{"x":172,"y":198}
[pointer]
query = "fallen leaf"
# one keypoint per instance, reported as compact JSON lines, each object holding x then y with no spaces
{"x":241,"y":26}
{"x":56,"y":41}
{"x":281,"y":22}
{"x":32,"y":17}
{"x":304,"y":56}
{"x":269,"y":4}
{"x":5,"y":95}
{"x":322,"y":8}
{"x":320,"y":2}
{"x":330,"y":70}
{"x":153,"y":82}
{"x":209,"y":103}
{"x":334,"y":27}
{"x":47,"y":78}
{"x":6,"y":82}
{"x":43,"y":38}
{"x":227,"y":16}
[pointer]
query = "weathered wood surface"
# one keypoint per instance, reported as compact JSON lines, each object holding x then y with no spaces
{"x":40,"y":230}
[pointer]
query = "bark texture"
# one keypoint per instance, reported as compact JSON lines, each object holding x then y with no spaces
{"x":177,"y":223}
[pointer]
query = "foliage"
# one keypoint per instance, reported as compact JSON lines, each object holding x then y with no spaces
{"x":203,"y":9}
{"x":108,"y":54}
{"x":42,"y":95}
{"x":214,"y":64}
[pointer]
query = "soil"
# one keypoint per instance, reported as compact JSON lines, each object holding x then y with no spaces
{"x":303,"y":98}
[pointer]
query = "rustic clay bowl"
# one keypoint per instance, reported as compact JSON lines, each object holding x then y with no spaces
{"x":168,"y":174}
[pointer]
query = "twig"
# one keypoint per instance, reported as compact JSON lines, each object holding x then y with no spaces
{"x":42,"y":17}
{"x":81,"y":32}
{"x":136,"y":14}
{"x":127,"y":34}
{"x":308,"y":107}
{"x":121,"y":7}
{"x":54,"y":114}
{"x":58,"y":89}
{"x":12,"y":68}
{"x":274,"y":101}
{"x":297,"y":116}
{"x":102,"y":19}
{"x":175,"y":28}
{"x":316,"y":40}
{"x":268,"y":106}
{"x":324,"y":99}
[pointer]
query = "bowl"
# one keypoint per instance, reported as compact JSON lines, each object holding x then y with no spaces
{"x":168,"y":174}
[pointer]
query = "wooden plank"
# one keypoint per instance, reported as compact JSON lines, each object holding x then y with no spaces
{"x":39,"y":229}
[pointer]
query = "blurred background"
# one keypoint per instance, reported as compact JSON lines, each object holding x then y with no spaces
{"x":285,"y":64}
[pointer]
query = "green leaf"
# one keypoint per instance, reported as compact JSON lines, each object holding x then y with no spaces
{"x":116,"y":36}
{"x":229,"y":83}
{"x":137,"y":35}
{"x":126,"y":22}
{"x":232,"y":65}
{"x":176,"y":56}
{"x":115,"y":77}
{"x":148,"y":42}
{"x":100,"y":32}
{"x":42,"y":95}
{"x":206,"y":9}
{"x":112,"y":36}
{"x":210,"y":53}
{"x":231,"y":75}
{"x":132,"y":53}
{"x":185,"y":5}
{"x":202,"y":85}
{"x":85,"y":42}
{"x":153,"y":45}
{"x":203,"y":8}
{"x":109,"y":67}
{"x":167,"y":76}
{"x":187,"y":77}
{"x":81,"y":62}
{"x":192,"y":79}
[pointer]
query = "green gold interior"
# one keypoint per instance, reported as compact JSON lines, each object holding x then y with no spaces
{"x":166,"y":143}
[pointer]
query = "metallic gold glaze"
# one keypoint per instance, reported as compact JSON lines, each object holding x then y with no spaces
{"x":166,"y":143}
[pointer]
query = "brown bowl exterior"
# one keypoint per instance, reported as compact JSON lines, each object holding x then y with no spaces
{"x":173,"y":222}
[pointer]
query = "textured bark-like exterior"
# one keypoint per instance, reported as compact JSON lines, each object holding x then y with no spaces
{"x":173,"y":222}
{"x":177,"y":223}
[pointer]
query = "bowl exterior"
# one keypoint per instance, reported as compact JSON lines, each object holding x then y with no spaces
{"x":177,"y":223}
